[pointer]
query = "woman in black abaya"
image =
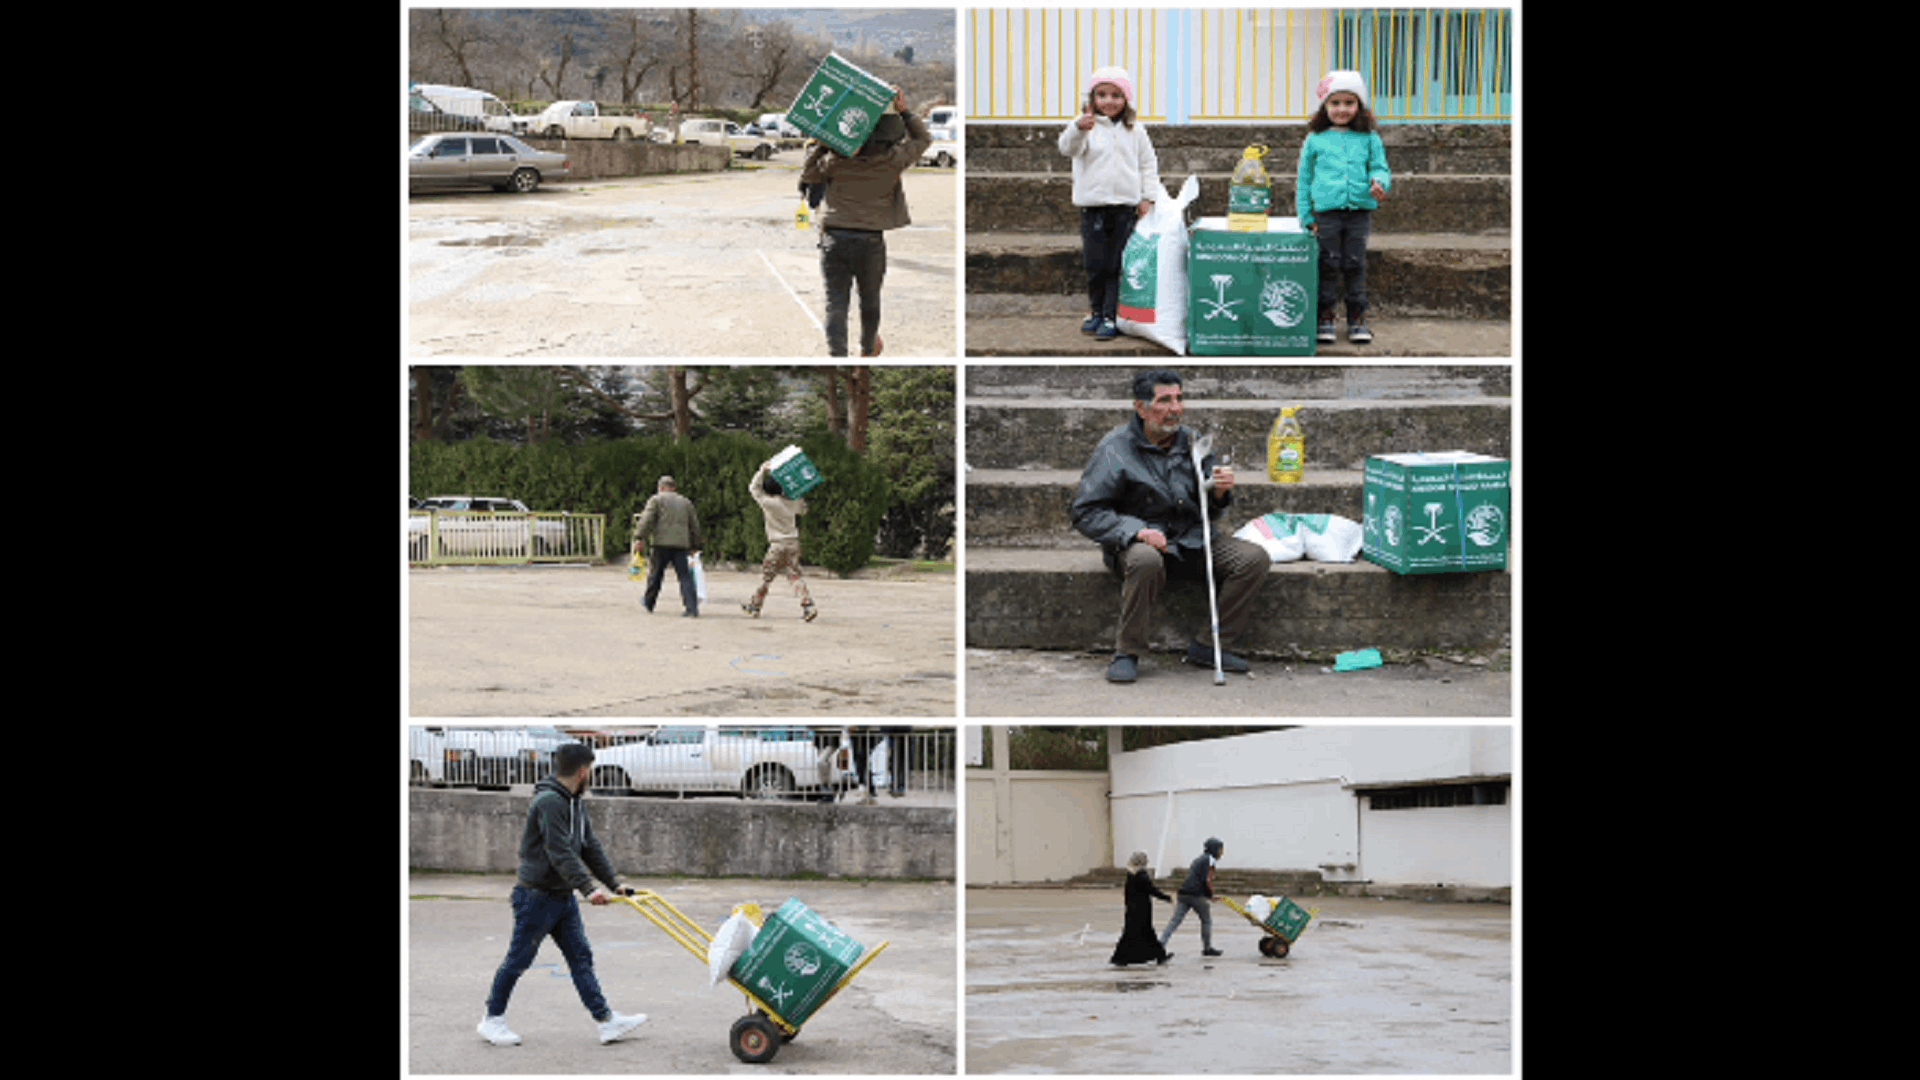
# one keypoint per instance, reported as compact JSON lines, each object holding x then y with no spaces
{"x":1139,"y":943}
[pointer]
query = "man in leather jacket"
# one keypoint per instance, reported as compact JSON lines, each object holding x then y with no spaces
{"x":1141,"y":501}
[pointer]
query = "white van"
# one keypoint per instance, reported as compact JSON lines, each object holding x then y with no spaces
{"x":775,"y":124}
{"x":944,"y":116}
{"x":461,"y":101}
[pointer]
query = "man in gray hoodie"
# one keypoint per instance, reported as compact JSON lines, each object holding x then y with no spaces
{"x":1195,"y":892}
{"x":558,"y":856}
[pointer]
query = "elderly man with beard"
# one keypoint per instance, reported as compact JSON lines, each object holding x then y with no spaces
{"x":1141,"y":502}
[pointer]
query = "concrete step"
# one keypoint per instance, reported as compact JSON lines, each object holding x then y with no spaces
{"x":1011,"y":508}
{"x":1043,"y":201}
{"x":1001,"y":324}
{"x":1412,"y":149}
{"x":1423,"y":275}
{"x":1028,"y":598}
{"x":1271,"y":381}
{"x":1060,"y":433}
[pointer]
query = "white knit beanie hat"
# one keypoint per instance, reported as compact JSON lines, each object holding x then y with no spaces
{"x":1336,"y":81}
{"x":1115,"y":75}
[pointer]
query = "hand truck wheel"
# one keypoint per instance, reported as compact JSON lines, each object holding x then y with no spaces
{"x":754,"y":1039}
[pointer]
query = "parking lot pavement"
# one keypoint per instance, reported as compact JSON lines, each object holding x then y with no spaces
{"x":574,"y":641}
{"x":1372,"y":986}
{"x":898,"y":1015}
{"x":704,"y":264}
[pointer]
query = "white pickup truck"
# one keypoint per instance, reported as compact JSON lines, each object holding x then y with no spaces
{"x":584,"y":120}
{"x":752,"y":763}
{"x":707,"y":131}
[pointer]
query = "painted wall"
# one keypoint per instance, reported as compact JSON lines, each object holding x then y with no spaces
{"x":1286,"y":800}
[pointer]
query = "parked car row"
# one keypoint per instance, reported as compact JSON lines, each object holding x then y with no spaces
{"x":451,"y":159}
{"x":751,"y":763}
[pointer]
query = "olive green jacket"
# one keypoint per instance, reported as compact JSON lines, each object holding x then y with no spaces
{"x":669,"y":520}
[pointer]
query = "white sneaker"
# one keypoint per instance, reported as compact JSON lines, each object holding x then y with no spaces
{"x":494,"y":1030}
{"x":618,"y":1025}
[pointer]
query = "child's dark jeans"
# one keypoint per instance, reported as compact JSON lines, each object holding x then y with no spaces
{"x":1343,"y":251}
{"x":1104,"y":231}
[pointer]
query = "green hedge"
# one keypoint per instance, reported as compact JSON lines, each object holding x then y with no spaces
{"x":617,"y":477}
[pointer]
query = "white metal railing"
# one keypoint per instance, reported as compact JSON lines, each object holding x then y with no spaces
{"x":908,"y":766}
{"x":442,"y":537}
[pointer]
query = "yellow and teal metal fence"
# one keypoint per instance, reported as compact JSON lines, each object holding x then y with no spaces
{"x":469,"y":538}
{"x":1235,"y":65}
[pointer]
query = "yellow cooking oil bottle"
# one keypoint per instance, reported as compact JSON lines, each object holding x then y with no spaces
{"x":800,"y":218}
{"x":1249,"y":195}
{"x":1286,"y":449}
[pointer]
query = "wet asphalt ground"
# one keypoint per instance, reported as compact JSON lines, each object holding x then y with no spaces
{"x":1371,"y":986}
{"x":898,"y":1015}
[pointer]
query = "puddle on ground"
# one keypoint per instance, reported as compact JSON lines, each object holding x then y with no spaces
{"x":1123,"y":986}
{"x":495,"y":241}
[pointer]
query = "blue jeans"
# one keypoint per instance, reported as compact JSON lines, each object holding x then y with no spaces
{"x":682,"y":570}
{"x":536,"y":916}
{"x":1182,"y":902}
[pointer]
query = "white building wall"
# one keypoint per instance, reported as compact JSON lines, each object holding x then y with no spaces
{"x":1286,"y":800}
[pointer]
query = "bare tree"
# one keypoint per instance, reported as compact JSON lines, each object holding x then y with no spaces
{"x":769,"y":57}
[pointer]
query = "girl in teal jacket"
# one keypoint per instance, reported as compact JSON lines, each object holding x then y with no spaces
{"x":1342,"y":175}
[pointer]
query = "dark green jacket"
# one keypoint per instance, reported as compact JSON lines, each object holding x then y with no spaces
{"x":669,"y":520}
{"x":558,"y":850}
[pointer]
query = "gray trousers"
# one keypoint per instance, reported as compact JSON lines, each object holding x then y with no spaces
{"x":1183,"y":901}
{"x":850,"y":257}
{"x":1239,"y":569}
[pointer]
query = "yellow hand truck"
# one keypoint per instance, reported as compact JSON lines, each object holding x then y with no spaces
{"x":1283,"y":927}
{"x":757,"y":1036}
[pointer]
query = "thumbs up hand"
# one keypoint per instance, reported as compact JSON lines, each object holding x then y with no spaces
{"x":1085,"y":121}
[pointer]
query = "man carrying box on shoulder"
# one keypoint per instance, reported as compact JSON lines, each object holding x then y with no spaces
{"x":864,"y":198}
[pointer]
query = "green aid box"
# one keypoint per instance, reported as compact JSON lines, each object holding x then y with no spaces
{"x":840,"y":105}
{"x":795,"y":472}
{"x":795,"y":961}
{"x":1251,"y":293}
{"x":1288,"y":919}
{"x":1435,"y":513}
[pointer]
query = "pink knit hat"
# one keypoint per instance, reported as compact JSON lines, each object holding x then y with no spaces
{"x":1115,"y":75}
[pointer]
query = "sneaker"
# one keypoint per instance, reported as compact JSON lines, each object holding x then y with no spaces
{"x":878,"y":344}
{"x":1326,"y":335}
{"x":617,"y":1025}
{"x":1211,"y":952}
{"x":1358,"y":331}
{"x":811,"y":613}
{"x":751,"y":610}
{"x":1091,"y":324}
{"x":1108,"y":331}
{"x":1164,"y":959}
{"x":1202,"y":656}
{"x":494,"y":1030}
{"x":1123,"y":668}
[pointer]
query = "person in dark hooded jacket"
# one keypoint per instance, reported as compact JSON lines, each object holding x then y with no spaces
{"x":1195,"y":894}
{"x":864,"y":198}
{"x":559,"y":855}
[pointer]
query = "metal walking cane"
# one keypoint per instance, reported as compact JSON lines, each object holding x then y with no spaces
{"x":1201,"y":447}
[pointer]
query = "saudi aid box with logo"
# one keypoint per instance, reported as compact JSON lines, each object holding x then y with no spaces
{"x":840,"y":105}
{"x":796,"y":960}
{"x":1251,"y":293}
{"x":1435,"y":513}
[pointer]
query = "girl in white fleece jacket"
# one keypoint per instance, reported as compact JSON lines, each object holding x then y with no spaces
{"x":1115,"y":178}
